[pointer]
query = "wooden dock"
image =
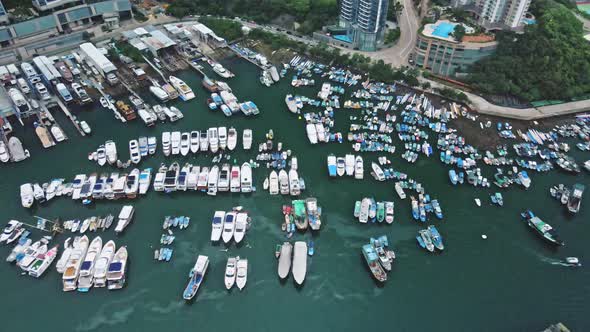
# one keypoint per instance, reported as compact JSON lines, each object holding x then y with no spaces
{"x":70,"y":116}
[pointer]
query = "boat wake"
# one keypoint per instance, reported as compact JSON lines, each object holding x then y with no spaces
{"x":171,"y":307}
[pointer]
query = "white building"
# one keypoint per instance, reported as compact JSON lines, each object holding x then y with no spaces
{"x":496,"y":14}
{"x":46,"y":68}
{"x":94,"y":57}
{"x":208,"y":36}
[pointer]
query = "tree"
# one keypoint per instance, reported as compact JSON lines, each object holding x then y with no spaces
{"x":459,"y":32}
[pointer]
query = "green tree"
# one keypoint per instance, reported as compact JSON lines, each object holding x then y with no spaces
{"x":459,"y":32}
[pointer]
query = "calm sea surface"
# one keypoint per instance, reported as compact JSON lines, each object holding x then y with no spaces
{"x":510,"y":282}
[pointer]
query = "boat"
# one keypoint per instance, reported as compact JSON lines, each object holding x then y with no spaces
{"x":27,"y":195}
{"x":184,"y":91}
{"x":185,"y":143}
{"x":299,"y":262}
{"x":232,"y":138}
{"x":11,"y":227}
{"x":575,"y":199}
{"x":196,"y":276}
{"x":221,"y":71}
{"x":85,"y":127}
{"x":230,"y":100}
{"x":148,"y":118}
{"x":359,"y":168}
{"x":202,"y":180}
{"x":86,"y":277}
{"x":217,"y":225}
{"x":524,"y":178}
{"x":349,"y":164}
{"x":283,"y":182}
{"x":194,"y":139}
{"x":246,"y":178}
{"x":312,"y":134}
{"x":212,"y":180}
{"x":332,"y":168}
{"x":166,"y":143}
{"x":389,"y":212}
{"x":425,"y":240}
{"x":145,"y":178}
{"x":291,"y":104}
{"x":4,"y":155}
{"x":134,"y":154}
{"x":364,"y":212}
{"x":19,"y":249}
{"x":102,"y":263}
{"x":60,"y":266}
{"x":212,"y":133}
{"x":385,"y":256}
{"x":313,"y":213}
{"x":294,"y":188}
{"x":42,"y":262}
{"x":242,"y":273}
{"x":132,"y":184}
{"x":29,"y":255}
{"x":285,"y":259}
{"x":372,"y":260}
{"x":357,"y":209}
{"x":273,"y":183}
{"x":111,"y":152}
{"x":544,"y":229}
{"x":204,"y":141}
{"x":247,"y":139}
{"x":224,"y":178}
{"x":16,"y":150}
{"x":340,"y":166}
{"x":159,"y":93}
{"x":229,"y":225}
{"x":453,"y":176}
{"x":230,"y":272}
{"x":241,"y":225}
{"x":380,"y":211}
{"x":175,"y":137}
{"x":572,"y":261}
{"x":222,"y":132}
{"x":377,"y":172}
{"x":19,"y":100}
{"x":72,"y":269}
{"x":57,"y":133}
{"x":125,"y":217}
{"x":436,"y":238}
{"x":152,"y":145}
{"x":235,"y":179}
{"x":117,"y":270}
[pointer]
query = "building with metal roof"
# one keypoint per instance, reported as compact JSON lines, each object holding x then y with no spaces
{"x":93,"y":56}
{"x":46,"y":68}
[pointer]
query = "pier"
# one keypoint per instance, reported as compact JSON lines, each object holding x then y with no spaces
{"x":156,"y":69}
{"x":112,"y":107}
{"x":70,"y":116}
{"x":231,"y":47}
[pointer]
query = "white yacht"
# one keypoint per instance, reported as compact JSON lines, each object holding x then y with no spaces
{"x":212,"y":180}
{"x":4,"y":155}
{"x":11,"y":226}
{"x":299,"y":262}
{"x":175,"y":142}
{"x":285,"y":260}
{"x":72,"y":269}
{"x":221,"y":71}
{"x":217,"y":225}
{"x":57,"y":133}
{"x":223,"y":182}
{"x":203,"y":179}
{"x":194,"y":138}
{"x":185,"y":143}
{"x":312,"y":134}
{"x":60,"y":266}
{"x":273,"y":185}
{"x":377,"y":172}
{"x":230,"y":272}
{"x":111,"y":152}
{"x":246,"y":178}
{"x":222,"y":133}
{"x":134,"y":151}
{"x":359,"y":168}
{"x":235,"y":179}
{"x":284,"y":182}
{"x":247,"y":139}
{"x":242,"y":273}
{"x":102,"y":264}
{"x":86,"y":277}
{"x":159,"y":93}
{"x":31,"y":253}
{"x":16,"y":150}
{"x":19,"y":100}
{"x":229,"y":225}
{"x":204,"y":141}
{"x":117,"y":270}
{"x":184,"y":91}
{"x":145,"y":177}
{"x":125,"y":217}
{"x":232,"y":138}
{"x":166,"y":148}
{"x":101,"y":155}
{"x":26,"y":195}
{"x":152,"y":145}
{"x":213,"y":139}
{"x":241,"y":225}
{"x":349,"y":164}
{"x":294,"y":188}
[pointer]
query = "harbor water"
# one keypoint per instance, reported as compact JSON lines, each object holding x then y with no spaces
{"x":513,"y":281}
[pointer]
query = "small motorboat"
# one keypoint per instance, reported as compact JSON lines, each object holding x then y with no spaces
{"x":230,"y":272}
{"x":242,"y":273}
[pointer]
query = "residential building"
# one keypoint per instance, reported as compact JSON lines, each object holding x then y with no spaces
{"x":438,"y":52}
{"x":3,"y":13}
{"x":363,"y":22}
{"x":496,"y":14}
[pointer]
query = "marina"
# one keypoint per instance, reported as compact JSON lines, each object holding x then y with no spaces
{"x":339,"y":253}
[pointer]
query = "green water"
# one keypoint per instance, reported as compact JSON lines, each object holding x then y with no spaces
{"x":507,"y":283}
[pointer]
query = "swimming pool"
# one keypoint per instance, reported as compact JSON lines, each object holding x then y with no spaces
{"x":443,"y":29}
{"x":585,"y":7}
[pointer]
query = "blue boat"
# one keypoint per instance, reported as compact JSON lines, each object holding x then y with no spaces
{"x":196,"y":276}
{"x":310,"y":248}
{"x":332,"y":165}
{"x":437,"y":209}
{"x":453,"y":176}
{"x":415,"y":210}
{"x":436,"y":238}
{"x":216,"y":99}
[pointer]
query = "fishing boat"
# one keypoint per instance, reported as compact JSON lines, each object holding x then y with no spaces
{"x":240,"y":229}
{"x":291,"y":104}
{"x":175,"y":138}
{"x":385,"y":256}
{"x":372,"y":260}
{"x":42,"y":262}
{"x":425,"y":240}
{"x":204,"y":141}
{"x":196,"y":276}
{"x":299,"y":262}
{"x":145,"y":178}
{"x":575,"y":199}
{"x":299,"y":214}
{"x":230,"y":272}
{"x":217,"y":225}
{"x":357,"y":209}
{"x":166,"y":143}
{"x":86,"y":278}
{"x":364,"y":212}
{"x":285,"y":260}
{"x":380,"y":211}
{"x":27,"y":195}
{"x":212,"y":180}
{"x":184,"y":91}
{"x":436,"y":238}
{"x":377,"y":172}
{"x":213,"y":139}
{"x":524,"y":178}
{"x":247,"y":139}
{"x":312,"y":134}
{"x":273,"y":185}
{"x":313,"y":213}
{"x":246,"y":178}
{"x":242,"y":273}
{"x":117,"y":270}
{"x":544,"y":229}
{"x":125,"y":218}
{"x":332,"y":167}
{"x":294,"y":188}
{"x":102,"y":263}
{"x":415,"y":208}
{"x":437,"y":209}
{"x":229,"y":225}
{"x":185,"y":143}
{"x":72,"y":269}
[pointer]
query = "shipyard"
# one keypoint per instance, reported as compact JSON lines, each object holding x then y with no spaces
{"x":153,"y":168}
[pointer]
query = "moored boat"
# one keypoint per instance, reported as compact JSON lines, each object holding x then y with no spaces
{"x":196,"y":276}
{"x":299,"y":262}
